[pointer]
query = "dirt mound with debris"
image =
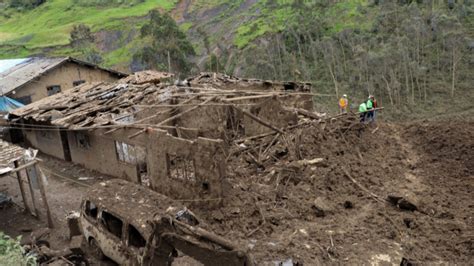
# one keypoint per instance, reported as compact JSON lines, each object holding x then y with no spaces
{"x":344,"y":192}
{"x":447,"y":146}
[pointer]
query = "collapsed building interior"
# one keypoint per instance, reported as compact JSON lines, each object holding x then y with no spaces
{"x":261,"y":167}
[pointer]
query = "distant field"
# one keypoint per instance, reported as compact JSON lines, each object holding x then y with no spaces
{"x":50,"y":24}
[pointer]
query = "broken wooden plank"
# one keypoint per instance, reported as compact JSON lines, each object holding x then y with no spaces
{"x":185,"y":112}
{"x":307,"y":113}
{"x":258,"y":120}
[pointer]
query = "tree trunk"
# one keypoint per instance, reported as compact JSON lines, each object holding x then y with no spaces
{"x":453,"y":73}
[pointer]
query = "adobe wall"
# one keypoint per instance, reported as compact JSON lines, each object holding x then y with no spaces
{"x":211,"y":121}
{"x":269,"y":110}
{"x":208,"y":158}
{"x":64,"y":76}
{"x":101,"y":156}
{"x":48,"y":141}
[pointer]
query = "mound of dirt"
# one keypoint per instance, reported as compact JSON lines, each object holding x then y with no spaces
{"x":318,"y":194}
{"x":447,"y":146}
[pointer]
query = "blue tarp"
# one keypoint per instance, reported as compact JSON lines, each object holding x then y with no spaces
{"x":8,"y":104}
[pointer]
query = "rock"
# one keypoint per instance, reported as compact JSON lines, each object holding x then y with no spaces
{"x":402,"y":203}
{"x":348,"y":204}
{"x":321,"y":207}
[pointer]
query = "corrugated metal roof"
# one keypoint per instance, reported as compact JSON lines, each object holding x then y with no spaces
{"x":9,"y":63}
{"x":18,"y":72}
{"x":25,"y":71}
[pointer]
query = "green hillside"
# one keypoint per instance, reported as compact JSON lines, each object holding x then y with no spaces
{"x":415,"y":54}
{"x":46,"y":29}
{"x":49,"y":25}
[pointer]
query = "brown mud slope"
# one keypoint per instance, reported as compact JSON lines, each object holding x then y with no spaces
{"x":318,"y":194}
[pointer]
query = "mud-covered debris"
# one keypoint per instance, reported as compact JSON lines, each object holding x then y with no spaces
{"x":288,"y":262}
{"x":321,"y":207}
{"x":348,"y":204}
{"x":402,"y":203}
{"x":187,"y":216}
{"x":305,"y":162}
{"x":73,"y":224}
{"x":76,"y":244}
{"x":4,"y":200}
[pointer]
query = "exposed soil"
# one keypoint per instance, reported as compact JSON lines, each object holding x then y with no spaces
{"x":284,"y":205}
{"x":316,"y":213}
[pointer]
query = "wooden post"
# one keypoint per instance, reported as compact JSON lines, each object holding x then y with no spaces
{"x":32,"y":192}
{"x":20,"y":184}
{"x":43,"y":195}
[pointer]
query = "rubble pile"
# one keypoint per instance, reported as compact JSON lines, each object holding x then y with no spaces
{"x":289,"y":184}
{"x":322,"y":192}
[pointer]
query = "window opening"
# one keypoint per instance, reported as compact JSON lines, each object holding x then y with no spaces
{"x":24,"y":100}
{"x":112,"y":224}
{"x":53,"y":89}
{"x":181,"y":168}
{"x":91,"y":209}
{"x":126,"y":152}
{"x":78,"y":82}
{"x":82,"y":140}
{"x":135,"y":239}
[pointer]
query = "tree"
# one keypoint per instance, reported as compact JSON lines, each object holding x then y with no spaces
{"x":167,"y":47}
{"x":81,"y":35}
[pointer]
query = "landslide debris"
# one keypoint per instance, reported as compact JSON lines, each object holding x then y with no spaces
{"x":291,"y":198}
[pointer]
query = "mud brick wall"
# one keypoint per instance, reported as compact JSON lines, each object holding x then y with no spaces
{"x":47,"y":141}
{"x":101,"y":156}
{"x":63,"y":76}
{"x":271,"y":111}
{"x":207,"y":156}
{"x":299,"y":101}
{"x":211,"y":121}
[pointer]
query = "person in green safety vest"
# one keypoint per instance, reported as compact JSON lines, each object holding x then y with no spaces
{"x":370,"y":106}
{"x":363,"y":111}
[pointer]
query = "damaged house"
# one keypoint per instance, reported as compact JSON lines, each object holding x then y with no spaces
{"x":30,"y":79}
{"x":173,"y":138}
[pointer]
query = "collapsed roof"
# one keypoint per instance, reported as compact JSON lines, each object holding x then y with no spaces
{"x":96,"y":105}
{"x":223,"y":81}
{"x":8,"y":154}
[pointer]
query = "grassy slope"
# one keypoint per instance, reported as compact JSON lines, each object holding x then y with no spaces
{"x":29,"y":32}
{"x":272,"y":19}
{"x":50,"y":24}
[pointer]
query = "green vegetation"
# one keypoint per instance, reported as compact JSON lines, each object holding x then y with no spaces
{"x":165,"y":47}
{"x":412,"y":54}
{"x":51,"y":23}
{"x":12,"y":253}
{"x":276,"y":15}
